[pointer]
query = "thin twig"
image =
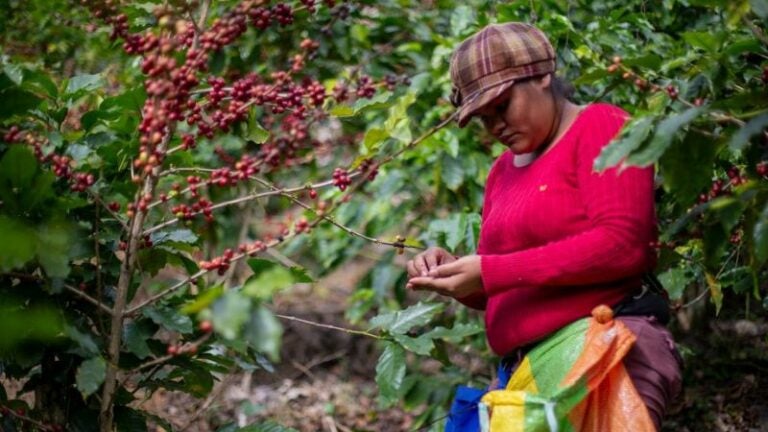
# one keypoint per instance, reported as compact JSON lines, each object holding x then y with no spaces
{"x":88,"y":298}
{"x":332,"y":327}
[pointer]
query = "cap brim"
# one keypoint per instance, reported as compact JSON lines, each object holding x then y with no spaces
{"x":467,"y":110}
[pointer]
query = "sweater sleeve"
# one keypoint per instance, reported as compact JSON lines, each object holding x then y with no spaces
{"x":620,"y":207}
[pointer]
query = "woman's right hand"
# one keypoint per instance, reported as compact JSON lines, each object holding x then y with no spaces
{"x":422,"y":263}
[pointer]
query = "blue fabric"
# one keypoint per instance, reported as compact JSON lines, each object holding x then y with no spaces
{"x":463,"y":416}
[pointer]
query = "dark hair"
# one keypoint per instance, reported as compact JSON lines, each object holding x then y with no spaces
{"x":561,"y":88}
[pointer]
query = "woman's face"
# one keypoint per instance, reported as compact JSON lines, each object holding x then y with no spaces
{"x":521,"y":117}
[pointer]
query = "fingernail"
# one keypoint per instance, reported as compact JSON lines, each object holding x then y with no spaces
{"x":423,"y":273}
{"x":432,"y":273}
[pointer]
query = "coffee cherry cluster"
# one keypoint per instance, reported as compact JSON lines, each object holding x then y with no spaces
{"x":13,"y":135}
{"x":341,"y":179}
{"x":367,"y":166}
{"x":220,"y":264}
{"x":301,"y":226}
{"x":365,"y":88}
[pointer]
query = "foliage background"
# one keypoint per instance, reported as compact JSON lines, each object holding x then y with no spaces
{"x":64,"y":78}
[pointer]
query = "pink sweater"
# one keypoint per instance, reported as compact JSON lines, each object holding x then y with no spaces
{"x":558,"y":239}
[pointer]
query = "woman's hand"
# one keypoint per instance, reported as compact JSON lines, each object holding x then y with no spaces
{"x":422,"y":263}
{"x":459,"y":278}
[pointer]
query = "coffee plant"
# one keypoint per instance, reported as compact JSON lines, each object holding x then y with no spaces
{"x":167,"y":167}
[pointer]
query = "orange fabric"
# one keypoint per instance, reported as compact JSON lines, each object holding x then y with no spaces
{"x":612,"y":404}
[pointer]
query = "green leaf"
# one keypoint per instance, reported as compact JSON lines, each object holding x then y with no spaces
{"x":256,"y":132}
{"x":268,"y":426}
{"x":715,"y":290}
{"x":85,"y":82}
{"x":400,"y":322}
{"x":129,"y":420}
{"x":390,"y":372}
{"x":203,"y":300}
{"x":704,"y":40}
{"x":18,"y":244}
{"x":374,"y":137}
{"x":14,"y":72}
{"x":663,"y":136}
{"x":136,"y":335}
{"x":753,"y":127}
{"x":90,"y":375}
{"x":633,"y":135}
{"x":760,"y":8}
{"x":229,"y":313}
{"x":685,"y":183}
{"x":342,"y":111}
{"x":268,"y":283}
{"x":451,"y":172}
{"x":454,"y":229}
{"x":84,"y":341}
{"x":183,"y":235}
{"x":455,"y":334}
{"x":264,"y":332}
{"x":34,"y":80}
{"x":674,"y":281}
{"x":54,"y":239}
{"x":461,"y":19}
{"x":421,"y":345}
{"x":170,"y":319}
{"x":760,"y":236}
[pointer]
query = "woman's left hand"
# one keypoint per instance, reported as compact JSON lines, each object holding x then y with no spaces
{"x":457,"y":279}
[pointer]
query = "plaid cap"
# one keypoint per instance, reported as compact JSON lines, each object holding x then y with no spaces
{"x":487,"y":64}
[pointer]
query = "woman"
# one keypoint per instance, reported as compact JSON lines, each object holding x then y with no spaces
{"x":557,"y":239}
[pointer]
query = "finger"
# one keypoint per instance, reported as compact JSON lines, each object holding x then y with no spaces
{"x":433,"y":260}
{"x":440,"y":286}
{"x":421,"y":265}
{"x":446,"y":270}
{"x":411,"y":269}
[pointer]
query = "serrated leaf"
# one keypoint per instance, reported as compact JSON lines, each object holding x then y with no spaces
{"x":634,"y":135}
{"x":402,"y":321}
{"x":390,"y":372}
{"x":170,"y":319}
{"x":751,"y":128}
{"x":90,"y":375}
{"x":663,"y":136}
